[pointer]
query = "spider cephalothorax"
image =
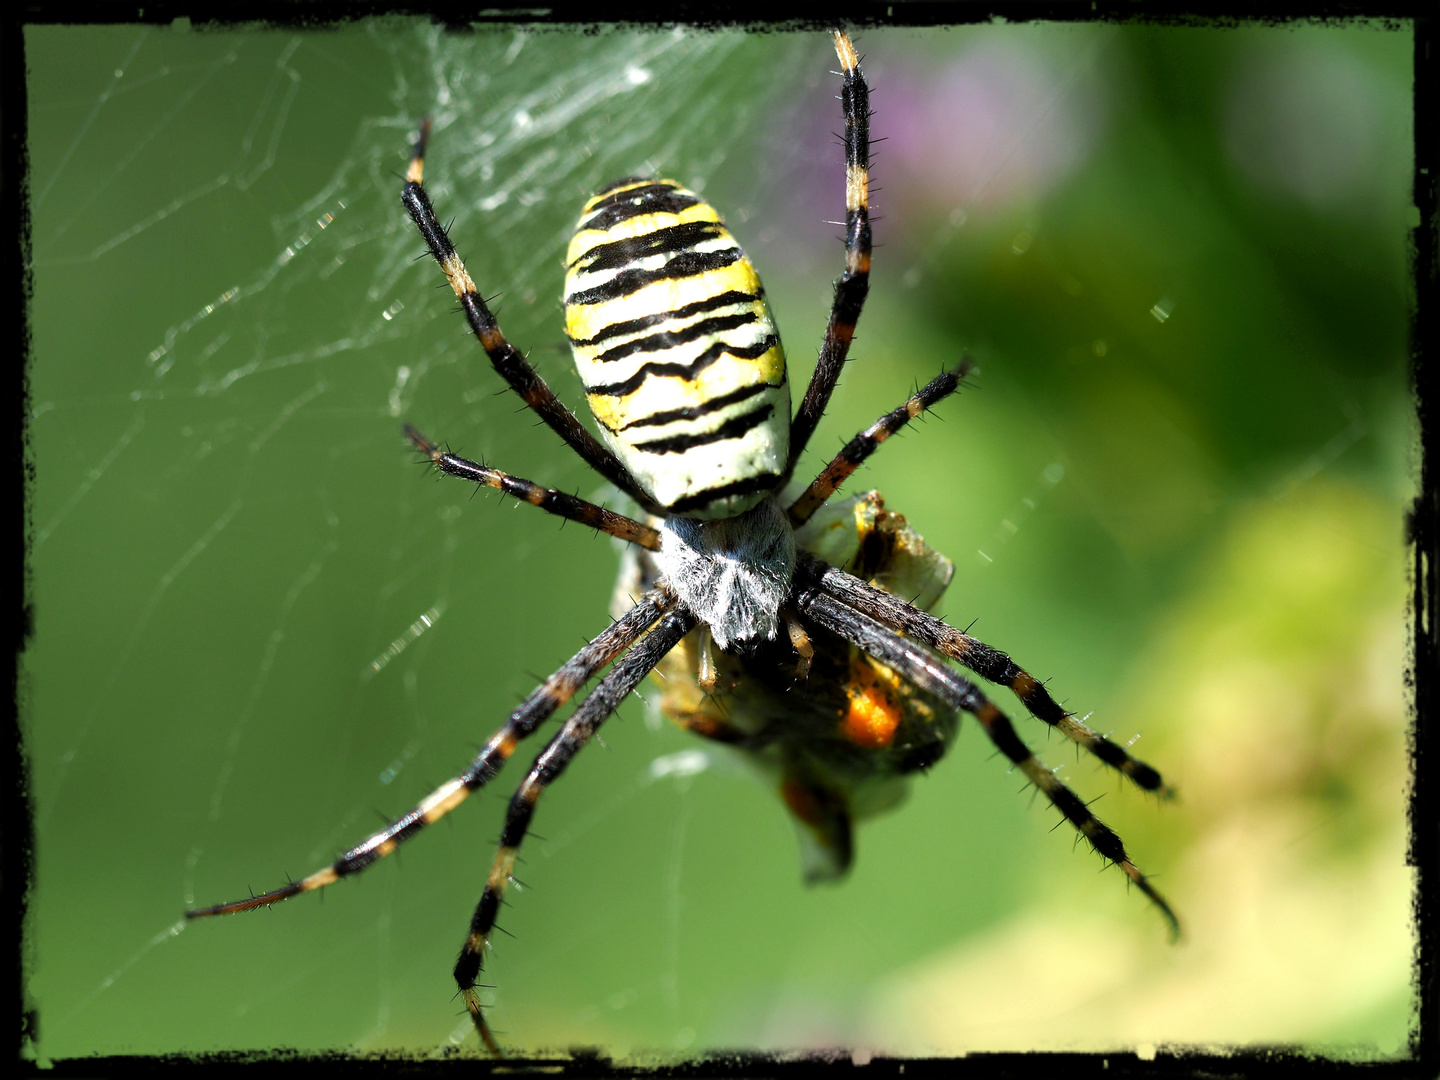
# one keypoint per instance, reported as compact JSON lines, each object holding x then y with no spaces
{"x":733,"y":573}
{"x":685,"y":376}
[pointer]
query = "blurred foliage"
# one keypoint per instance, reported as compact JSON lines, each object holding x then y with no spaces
{"x":1279,"y":679}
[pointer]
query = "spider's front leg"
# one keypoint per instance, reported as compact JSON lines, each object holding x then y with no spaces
{"x":858,"y":450}
{"x":932,"y":674}
{"x":987,"y":662}
{"x":853,"y":285}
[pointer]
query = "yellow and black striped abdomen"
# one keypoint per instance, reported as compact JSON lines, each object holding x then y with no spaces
{"x":674,"y":342}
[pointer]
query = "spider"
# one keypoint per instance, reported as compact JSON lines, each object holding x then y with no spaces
{"x":685,"y":376}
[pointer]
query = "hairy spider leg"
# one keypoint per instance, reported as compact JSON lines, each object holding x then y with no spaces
{"x":854,"y":283}
{"x":504,"y":357}
{"x":601,"y":702}
{"x":530,"y":714}
{"x":930,"y":672}
{"x":547,"y":499}
{"x":985,"y":661}
{"x":858,"y":449}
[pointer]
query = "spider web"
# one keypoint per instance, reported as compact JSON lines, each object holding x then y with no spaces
{"x":262,"y":628}
{"x":258,"y":330}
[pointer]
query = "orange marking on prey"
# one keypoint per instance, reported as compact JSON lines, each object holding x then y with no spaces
{"x":873,"y":716}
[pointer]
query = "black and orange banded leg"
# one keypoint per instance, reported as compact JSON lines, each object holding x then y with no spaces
{"x":609,"y":692}
{"x":987,"y":662}
{"x":932,"y":674}
{"x":504,"y":357}
{"x":854,"y":283}
{"x":547,"y":499}
{"x":858,"y":449}
{"x":528,"y":716}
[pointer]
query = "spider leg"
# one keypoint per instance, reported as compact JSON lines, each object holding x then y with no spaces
{"x":987,"y":662}
{"x":583,"y":723}
{"x":504,"y":357}
{"x":868,"y":441}
{"x":853,"y":284}
{"x":547,"y":499}
{"x":930,"y":673}
{"x":528,"y":716}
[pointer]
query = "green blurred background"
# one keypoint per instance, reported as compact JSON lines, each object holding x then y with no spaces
{"x":1175,"y":489}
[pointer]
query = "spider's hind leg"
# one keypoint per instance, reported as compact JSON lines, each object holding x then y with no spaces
{"x":529,"y":715}
{"x":609,"y":692}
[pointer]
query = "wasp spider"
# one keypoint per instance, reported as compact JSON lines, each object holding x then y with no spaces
{"x":779,"y":626}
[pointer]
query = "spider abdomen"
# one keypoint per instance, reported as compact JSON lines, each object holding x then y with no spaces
{"x":680,"y":358}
